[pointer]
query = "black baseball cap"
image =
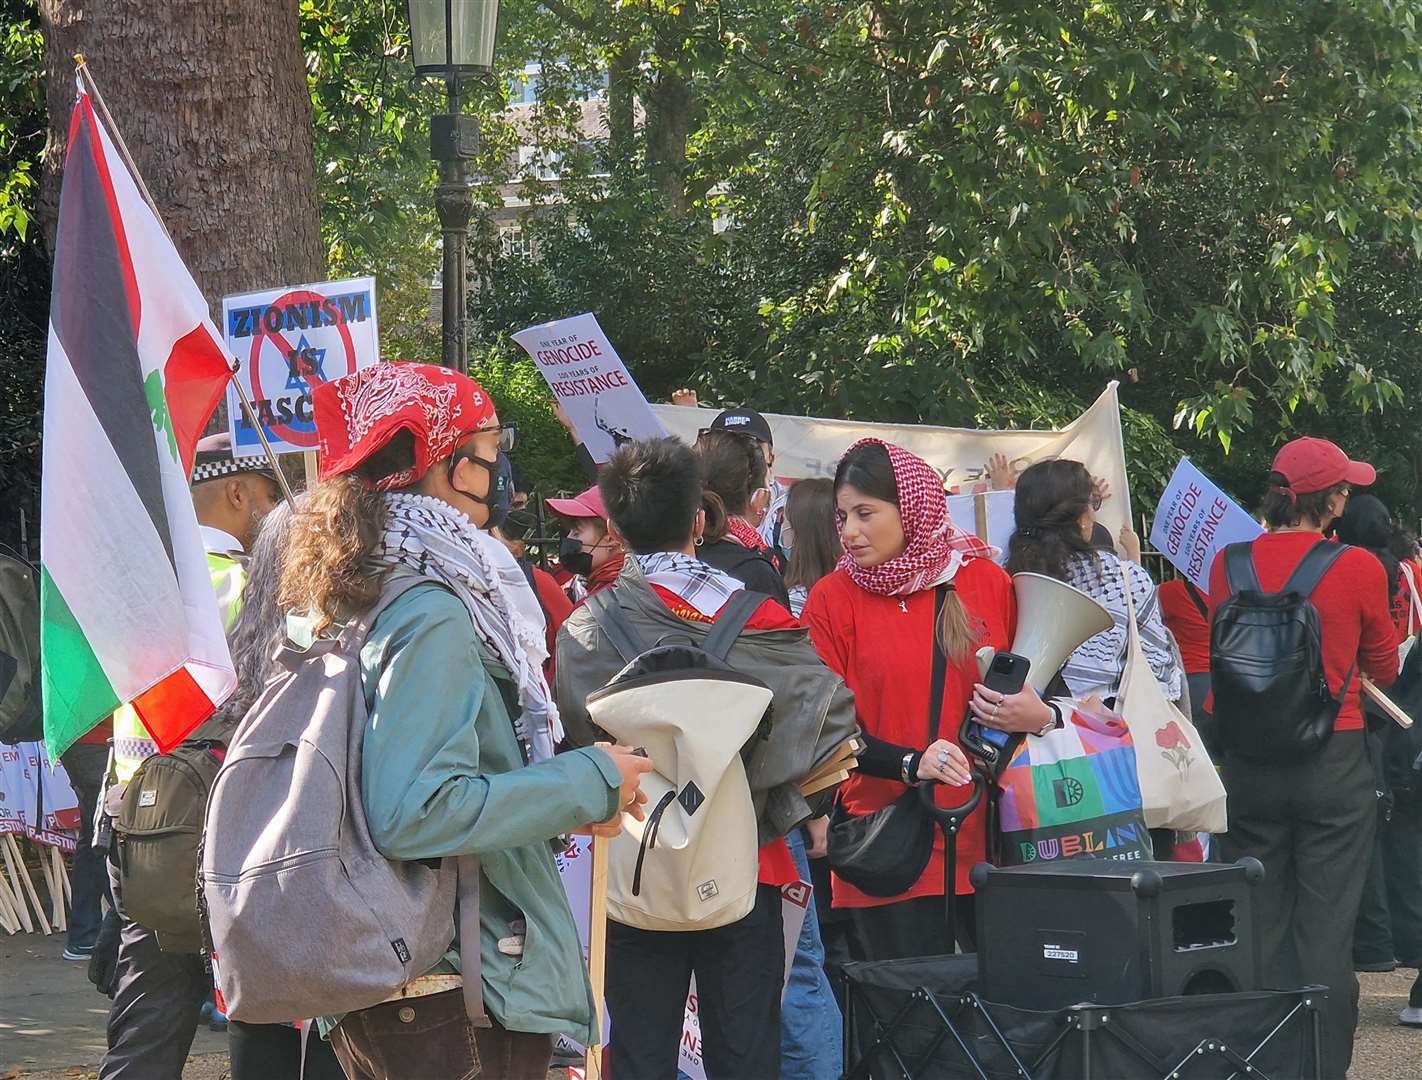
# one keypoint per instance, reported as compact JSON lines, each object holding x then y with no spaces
{"x":744,"y":422}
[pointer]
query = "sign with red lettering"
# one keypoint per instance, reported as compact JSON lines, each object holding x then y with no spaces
{"x":287,"y":341}
{"x":590,"y":381}
{"x":1195,"y":519}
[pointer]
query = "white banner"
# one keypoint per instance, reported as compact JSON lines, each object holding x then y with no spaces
{"x":590,"y":381}
{"x":807,"y":446}
{"x":287,"y":341}
{"x":1194,"y":520}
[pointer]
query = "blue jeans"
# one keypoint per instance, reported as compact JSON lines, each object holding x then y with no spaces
{"x":811,"y":1046}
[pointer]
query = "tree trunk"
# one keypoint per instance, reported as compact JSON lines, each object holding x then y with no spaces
{"x":670,"y":106}
{"x":212,"y":101}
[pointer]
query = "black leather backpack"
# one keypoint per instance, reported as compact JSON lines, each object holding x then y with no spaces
{"x":1272,"y":699}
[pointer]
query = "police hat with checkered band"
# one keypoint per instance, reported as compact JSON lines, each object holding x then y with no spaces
{"x":215,"y":460}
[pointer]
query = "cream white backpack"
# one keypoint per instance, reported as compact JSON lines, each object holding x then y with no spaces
{"x":693,"y":863}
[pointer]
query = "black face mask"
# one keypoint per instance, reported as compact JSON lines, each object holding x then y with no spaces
{"x":500,"y":497}
{"x":573,"y":558}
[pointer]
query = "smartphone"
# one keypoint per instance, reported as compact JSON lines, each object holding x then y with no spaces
{"x":1007,"y":674}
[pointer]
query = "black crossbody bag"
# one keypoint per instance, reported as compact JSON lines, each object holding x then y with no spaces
{"x":884,"y":853}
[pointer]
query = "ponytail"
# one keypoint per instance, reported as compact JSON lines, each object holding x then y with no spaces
{"x":957,"y":632}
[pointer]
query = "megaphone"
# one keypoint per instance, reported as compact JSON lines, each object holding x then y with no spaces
{"x":1054,"y":619}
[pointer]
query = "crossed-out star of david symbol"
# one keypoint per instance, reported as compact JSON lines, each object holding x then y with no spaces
{"x":315,"y":358}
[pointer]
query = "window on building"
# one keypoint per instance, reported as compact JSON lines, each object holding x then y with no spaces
{"x":515,"y":242}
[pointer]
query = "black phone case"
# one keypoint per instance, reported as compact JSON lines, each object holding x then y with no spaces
{"x":991,"y":755}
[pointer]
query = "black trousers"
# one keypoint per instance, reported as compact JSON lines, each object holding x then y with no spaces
{"x":273,"y":1052}
{"x":916,"y":927}
{"x":157,"y":999}
{"x":740,"y":971}
{"x":1311,"y":823}
{"x":89,"y":878}
{"x":1390,"y":919}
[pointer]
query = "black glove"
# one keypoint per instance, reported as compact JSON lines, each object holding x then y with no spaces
{"x":103,"y":964}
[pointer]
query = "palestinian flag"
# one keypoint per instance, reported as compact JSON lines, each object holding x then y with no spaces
{"x":135,"y":369}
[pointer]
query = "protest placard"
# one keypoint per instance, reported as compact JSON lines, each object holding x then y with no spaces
{"x":287,"y":341}
{"x":1195,"y":519}
{"x":807,"y":446}
{"x":28,"y":777}
{"x":590,"y":381}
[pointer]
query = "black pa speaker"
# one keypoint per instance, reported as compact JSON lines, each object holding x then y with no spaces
{"x":1056,"y":934}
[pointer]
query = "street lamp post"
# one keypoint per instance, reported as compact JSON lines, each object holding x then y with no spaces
{"x":454,"y":40}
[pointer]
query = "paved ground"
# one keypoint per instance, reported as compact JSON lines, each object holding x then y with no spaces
{"x":52,"y":1022}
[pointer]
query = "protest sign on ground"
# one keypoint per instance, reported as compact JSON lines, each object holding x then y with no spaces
{"x":1195,"y":519}
{"x":287,"y":341}
{"x":808,"y":446}
{"x":590,"y":381}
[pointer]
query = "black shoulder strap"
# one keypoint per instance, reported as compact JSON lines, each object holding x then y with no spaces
{"x":940,"y":668}
{"x":731,"y":620}
{"x":1239,"y":568}
{"x":1313,"y":566}
{"x":1199,"y":600}
{"x":607,"y":613}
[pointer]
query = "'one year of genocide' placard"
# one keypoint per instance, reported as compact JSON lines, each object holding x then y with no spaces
{"x":287,"y":341}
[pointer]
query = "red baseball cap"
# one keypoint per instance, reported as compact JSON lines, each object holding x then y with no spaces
{"x":1316,"y":464}
{"x":586,"y":505}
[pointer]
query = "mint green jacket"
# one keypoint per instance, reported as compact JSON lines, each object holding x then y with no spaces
{"x":442,"y":774}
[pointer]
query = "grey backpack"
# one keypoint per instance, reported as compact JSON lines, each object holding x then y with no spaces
{"x":305,"y":917}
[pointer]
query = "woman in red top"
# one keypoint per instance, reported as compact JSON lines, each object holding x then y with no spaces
{"x":872,"y":621}
{"x":1310,"y":820}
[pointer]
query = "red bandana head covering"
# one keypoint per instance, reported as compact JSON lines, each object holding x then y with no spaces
{"x":358,"y":414}
{"x":935,"y":547}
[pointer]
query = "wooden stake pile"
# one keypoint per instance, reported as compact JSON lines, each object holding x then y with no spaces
{"x":20,"y":904}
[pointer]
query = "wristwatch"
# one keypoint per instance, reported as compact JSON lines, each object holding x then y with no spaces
{"x":1052,"y":724}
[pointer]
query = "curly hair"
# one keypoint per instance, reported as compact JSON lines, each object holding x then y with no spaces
{"x":260,"y":625}
{"x":327,"y":573}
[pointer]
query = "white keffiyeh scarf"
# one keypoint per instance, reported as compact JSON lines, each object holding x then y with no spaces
{"x":700,"y":584}
{"x":433,"y":539}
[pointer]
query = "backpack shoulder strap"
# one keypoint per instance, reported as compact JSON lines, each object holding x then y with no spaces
{"x":1197,"y":598}
{"x":1240,"y":574}
{"x":358,"y":629}
{"x":607,"y":613}
{"x":731,"y":620}
{"x":1313,"y":566}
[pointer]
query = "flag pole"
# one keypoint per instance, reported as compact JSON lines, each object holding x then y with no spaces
{"x":82,"y":74}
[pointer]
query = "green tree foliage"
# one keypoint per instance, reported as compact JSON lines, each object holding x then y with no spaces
{"x":24,"y":272}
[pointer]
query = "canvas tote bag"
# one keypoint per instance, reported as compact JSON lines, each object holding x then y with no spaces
{"x":1180,"y":787}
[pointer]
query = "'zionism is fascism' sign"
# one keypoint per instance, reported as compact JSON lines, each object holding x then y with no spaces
{"x":287,"y":341}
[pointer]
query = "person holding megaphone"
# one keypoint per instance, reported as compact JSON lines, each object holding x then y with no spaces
{"x":901,"y":619}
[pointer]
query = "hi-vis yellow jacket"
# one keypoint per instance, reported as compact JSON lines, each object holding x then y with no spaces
{"x":131,"y":740}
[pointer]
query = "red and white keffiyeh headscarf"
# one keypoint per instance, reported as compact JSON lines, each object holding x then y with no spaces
{"x":358,"y":414}
{"x":935,"y":549}
{"x":744,"y":533}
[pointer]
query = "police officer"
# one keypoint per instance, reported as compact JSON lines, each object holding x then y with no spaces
{"x":158,"y":996}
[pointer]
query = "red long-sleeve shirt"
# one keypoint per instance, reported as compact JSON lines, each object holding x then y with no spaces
{"x":1187,"y":622}
{"x":1354,"y":620}
{"x":884,"y":652}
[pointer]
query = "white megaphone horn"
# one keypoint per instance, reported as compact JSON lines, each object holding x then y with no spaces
{"x":1053,"y":620}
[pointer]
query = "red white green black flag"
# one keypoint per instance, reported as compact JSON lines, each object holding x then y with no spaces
{"x":135,"y":370}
